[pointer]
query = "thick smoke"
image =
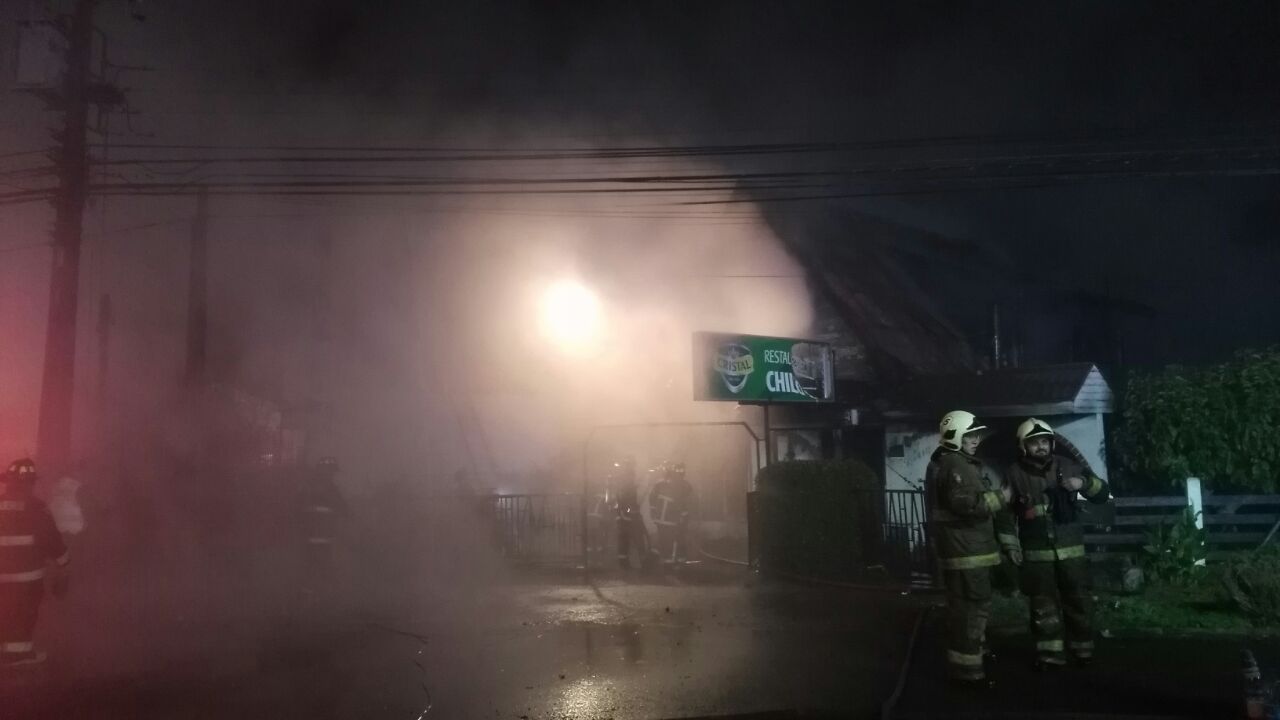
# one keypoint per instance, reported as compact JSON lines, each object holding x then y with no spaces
{"x":402,"y":336}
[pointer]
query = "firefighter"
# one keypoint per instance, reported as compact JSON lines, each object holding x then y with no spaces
{"x":29,"y":544}
{"x":1050,"y":536}
{"x":599,"y":515}
{"x":322,"y":505}
{"x":670,"y":507}
{"x":963,"y":503}
{"x":626,"y":510}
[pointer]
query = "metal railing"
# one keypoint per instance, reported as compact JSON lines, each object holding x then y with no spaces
{"x":547,"y":527}
{"x":904,"y":549}
{"x":538,"y":526}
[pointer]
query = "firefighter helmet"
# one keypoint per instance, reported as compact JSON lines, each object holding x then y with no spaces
{"x":22,"y":469}
{"x":326,"y":467}
{"x":624,"y":468}
{"x":674,"y":470}
{"x":1034,"y":428}
{"x":954,"y":426}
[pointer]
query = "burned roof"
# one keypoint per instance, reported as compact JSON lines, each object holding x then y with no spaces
{"x":870,"y":304}
{"x":1071,"y":388}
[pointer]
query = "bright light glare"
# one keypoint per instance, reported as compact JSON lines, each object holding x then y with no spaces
{"x":570,"y":315}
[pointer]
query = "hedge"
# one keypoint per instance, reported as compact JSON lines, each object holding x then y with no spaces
{"x":818,"y":517}
{"x":1220,"y":423}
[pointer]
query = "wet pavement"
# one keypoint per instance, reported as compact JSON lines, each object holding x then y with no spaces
{"x":1131,"y":678}
{"x":530,"y":646}
{"x":468,"y":641}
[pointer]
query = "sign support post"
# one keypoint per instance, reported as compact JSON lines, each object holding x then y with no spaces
{"x":768,"y":437}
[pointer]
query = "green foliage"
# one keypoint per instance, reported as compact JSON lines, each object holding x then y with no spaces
{"x":1220,"y":423}
{"x":820,"y":477}
{"x":1253,"y":584}
{"x":817,"y":518}
{"x":1169,"y":611}
{"x":1173,"y":549}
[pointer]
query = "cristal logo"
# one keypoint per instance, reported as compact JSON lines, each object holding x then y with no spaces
{"x":735,"y":364}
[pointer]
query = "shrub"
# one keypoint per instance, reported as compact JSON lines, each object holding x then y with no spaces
{"x":818,"y":517}
{"x":1218,"y":423}
{"x":1253,"y":584}
{"x":1173,"y":549}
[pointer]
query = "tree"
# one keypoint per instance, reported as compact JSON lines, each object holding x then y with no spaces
{"x":1220,"y":423}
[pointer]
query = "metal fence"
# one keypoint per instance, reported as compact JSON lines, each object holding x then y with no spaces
{"x":904,"y":547}
{"x":538,"y":526}
{"x":548,"y":527}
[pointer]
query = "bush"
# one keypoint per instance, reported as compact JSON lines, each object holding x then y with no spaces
{"x":1253,"y":584}
{"x":1173,"y":549}
{"x":818,"y":518}
{"x":1218,"y":423}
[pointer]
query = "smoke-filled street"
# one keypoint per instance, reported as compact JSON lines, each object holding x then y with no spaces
{"x":658,"y":360}
{"x":533,"y":645}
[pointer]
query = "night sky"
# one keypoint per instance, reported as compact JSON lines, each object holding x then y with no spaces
{"x":1200,"y":251}
{"x":1195,"y":254}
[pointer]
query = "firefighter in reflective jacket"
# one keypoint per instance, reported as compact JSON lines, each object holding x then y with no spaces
{"x":322,"y":505}
{"x":29,"y":544}
{"x":626,"y":507}
{"x":599,"y":516}
{"x":1050,"y":541}
{"x":963,"y":503}
{"x":670,"y":506}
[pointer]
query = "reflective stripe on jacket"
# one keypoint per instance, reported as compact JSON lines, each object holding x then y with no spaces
{"x":29,"y":540}
{"x":1048,"y":522}
{"x":962,"y":503}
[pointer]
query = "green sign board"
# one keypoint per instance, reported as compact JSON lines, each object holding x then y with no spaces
{"x":758,"y":369}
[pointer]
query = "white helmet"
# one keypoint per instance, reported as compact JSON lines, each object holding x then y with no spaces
{"x":1033,"y":428}
{"x":954,"y":426}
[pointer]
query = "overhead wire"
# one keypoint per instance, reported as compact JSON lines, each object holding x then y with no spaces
{"x":1027,"y":167}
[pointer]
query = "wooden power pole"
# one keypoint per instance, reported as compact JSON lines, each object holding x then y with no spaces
{"x":198,"y":294}
{"x":77,"y":90}
{"x":53,"y":435}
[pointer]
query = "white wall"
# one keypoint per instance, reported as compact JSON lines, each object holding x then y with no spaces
{"x":918,"y":442}
{"x":1086,"y":433}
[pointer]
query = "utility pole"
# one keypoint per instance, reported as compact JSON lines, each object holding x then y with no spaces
{"x":56,"y":392}
{"x":105,"y":321}
{"x":74,"y":92}
{"x":198,"y":294}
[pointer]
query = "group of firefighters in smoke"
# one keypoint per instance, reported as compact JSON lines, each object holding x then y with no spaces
{"x":671,"y":504}
{"x":1032,"y":519}
{"x":34,"y":553}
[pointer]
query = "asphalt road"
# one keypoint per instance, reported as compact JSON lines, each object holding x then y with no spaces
{"x":1132,"y":677}
{"x":525,"y":645}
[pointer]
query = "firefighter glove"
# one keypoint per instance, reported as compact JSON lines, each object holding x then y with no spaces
{"x":60,"y":584}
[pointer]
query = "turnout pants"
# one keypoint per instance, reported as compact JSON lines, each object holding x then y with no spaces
{"x":672,"y":541}
{"x":317,"y":570}
{"x":1061,"y":608}
{"x":19,"y":608}
{"x":631,"y":528}
{"x":968,"y":608}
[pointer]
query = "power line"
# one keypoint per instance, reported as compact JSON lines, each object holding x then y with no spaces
{"x":24,"y":153}
{"x":1128,"y":137}
{"x":17,"y":248}
{"x":690,"y":218}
